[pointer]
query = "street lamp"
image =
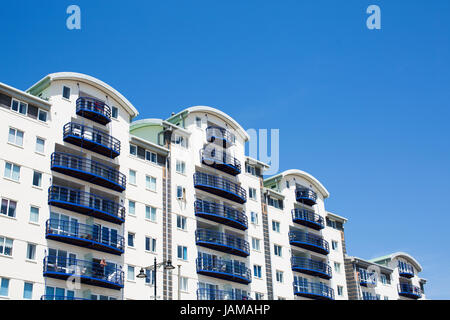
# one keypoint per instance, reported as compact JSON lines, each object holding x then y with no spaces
{"x":167,"y":266}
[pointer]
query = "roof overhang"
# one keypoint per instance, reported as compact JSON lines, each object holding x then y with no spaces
{"x":25,"y":97}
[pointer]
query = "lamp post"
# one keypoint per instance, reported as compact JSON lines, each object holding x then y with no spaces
{"x":167,"y":266}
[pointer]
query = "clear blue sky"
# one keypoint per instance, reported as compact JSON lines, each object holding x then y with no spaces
{"x":366,"y":112}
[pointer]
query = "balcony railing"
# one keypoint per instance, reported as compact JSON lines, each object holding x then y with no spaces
{"x":220,"y":160}
{"x":308,"y":218}
{"x":222,"y":242}
{"x":367,"y":278}
{"x":370,"y":297}
{"x":88,"y":170}
{"x":409,"y":291}
{"x":224,"y":269}
{"x":84,"y":235}
{"x":312,"y":290}
{"x":405,"y":269}
{"x":220,"y":186}
{"x":86,"y":203}
{"x":221,"y":214}
{"x":216,"y":294}
{"x":214,"y":133}
{"x":311,"y":267}
{"x":94,"y":109}
{"x":56,"y":297}
{"x":91,"y":139}
{"x":309,"y":241}
{"x":89,"y":272}
{"x":306,"y":196}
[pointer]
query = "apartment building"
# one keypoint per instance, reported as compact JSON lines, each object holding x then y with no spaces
{"x":98,"y":206}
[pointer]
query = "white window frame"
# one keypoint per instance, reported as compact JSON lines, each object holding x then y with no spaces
{"x":13,"y":165}
{"x":36,"y":145}
{"x":18,"y":106}
{"x":16,"y":131}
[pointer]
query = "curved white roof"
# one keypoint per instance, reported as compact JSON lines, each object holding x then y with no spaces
{"x":408,"y":257}
{"x":219,"y":114}
{"x":94,"y":82}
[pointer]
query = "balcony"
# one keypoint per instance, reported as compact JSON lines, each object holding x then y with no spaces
{"x":306,"y":196}
{"x":88,"y":272}
{"x":224,"y":269}
{"x":222,"y":242}
{"x":309,"y":241}
{"x":308,"y":218}
{"x":221,"y":161}
{"x":311,"y":267}
{"x":82,"y":235}
{"x":405,"y":270}
{"x":220,"y":187}
{"x":224,"y":136}
{"x":94,"y":109}
{"x":86,"y":203}
{"x":311,"y":290}
{"x":88,"y":170}
{"x":367,"y":278}
{"x":55,"y":297}
{"x":91,"y":139}
{"x":216,"y":294}
{"x":409,"y":291}
{"x":221,"y":214}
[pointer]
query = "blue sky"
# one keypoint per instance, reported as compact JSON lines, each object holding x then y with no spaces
{"x":366,"y":112}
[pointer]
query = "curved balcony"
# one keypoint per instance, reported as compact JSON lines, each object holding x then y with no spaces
{"x":220,"y":213}
{"x":308,"y":218}
{"x":83,"y":235}
{"x":91,"y":273}
{"x":94,"y":109}
{"x":224,"y":136}
{"x":409,"y":291}
{"x":221,"y":161}
{"x":306,"y":196}
{"x":405,"y":270}
{"x":220,"y":187}
{"x":86,"y":203}
{"x":91,"y":139}
{"x":88,"y":170}
{"x":55,"y":297}
{"x":309,"y":241}
{"x":311,"y":267}
{"x":367,"y":278}
{"x":311,"y":290}
{"x":222,"y":242}
{"x":224,"y":269}
{"x":216,"y":294}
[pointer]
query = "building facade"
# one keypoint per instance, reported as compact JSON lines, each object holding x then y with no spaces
{"x":98,"y":206}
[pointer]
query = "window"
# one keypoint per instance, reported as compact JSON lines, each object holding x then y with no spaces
{"x":184,"y":284}
{"x":259,"y":296}
{"x":198,"y":122}
{"x":131,"y":207}
{"x":275,"y":226}
{"x":287,"y":184}
{"x":257,"y":271}
{"x":53,"y":293}
{"x":40,"y":145}
{"x":276,"y":203}
{"x":150,"y":213}
{"x":182,"y":253}
{"x":8,"y":208}
{"x":114,"y":112}
{"x":256,"y":244}
{"x":34,"y":214}
{"x":181,"y":222}
{"x":150,"y":183}
{"x":181,"y":193}
{"x":340,"y":290}
{"x":378,"y":297}
{"x":132,"y":177}
{"x":151,"y":156}
{"x":181,"y":167}
{"x":130,"y":274}
{"x":12,"y":171}
{"x":252,"y":193}
{"x":42,"y":115}
{"x":385,"y":279}
{"x":179,"y":140}
{"x":133,"y":150}
{"x":386,"y":298}
{"x":250,"y":169}
{"x":254,"y":218}
{"x":4,"y":287}
{"x":15,"y":137}
{"x":18,"y":106}
{"x":277,"y":250}
{"x":131,"y":239}
{"x":279,"y":276}
{"x":37,"y":179}
{"x":150,"y":276}
{"x":28,"y":290}
{"x":150,"y":244}
{"x":6,"y":246}
{"x":337,"y":267}
{"x":66,"y":92}
{"x":334,"y":245}
{"x":31,"y":251}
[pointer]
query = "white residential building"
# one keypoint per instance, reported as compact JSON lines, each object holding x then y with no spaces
{"x":91,"y":201}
